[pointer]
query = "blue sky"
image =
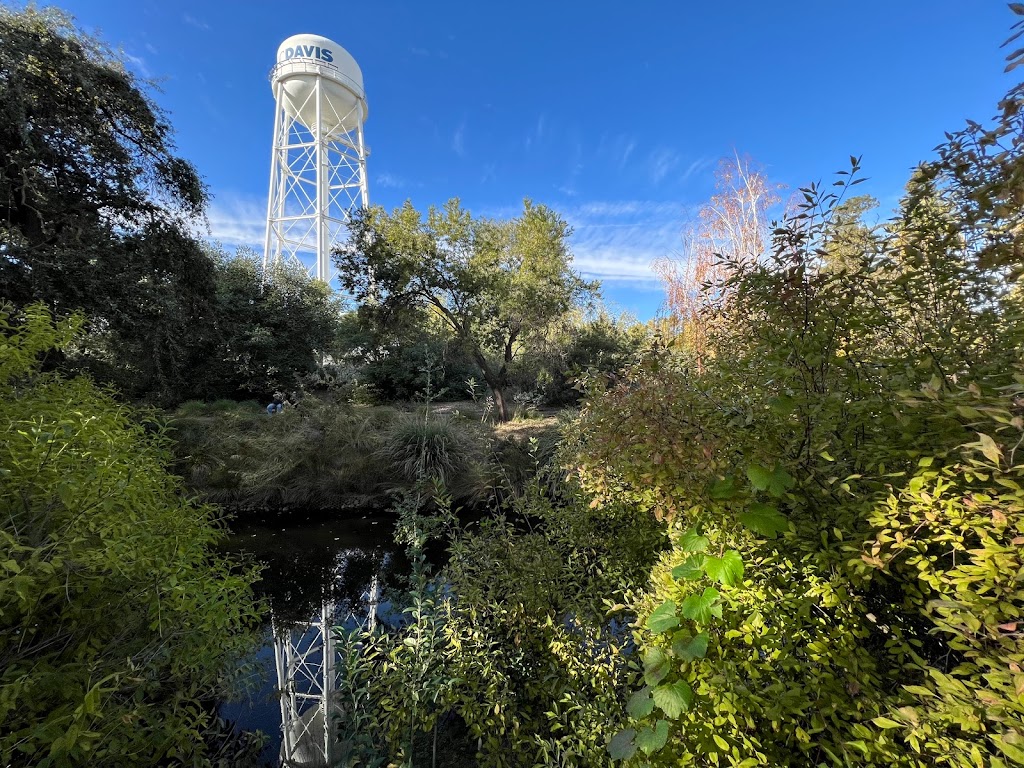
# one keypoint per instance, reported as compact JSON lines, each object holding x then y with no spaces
{"x":614,"y":114}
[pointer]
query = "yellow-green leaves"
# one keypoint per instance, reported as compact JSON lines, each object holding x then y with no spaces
{"x":988,"y":448}
{"x":689,"y":569}
{"x":692,"y":541}
{"x":673,"y":698}
{"x":104,"y":560}
{"x":689,"y":648}
{"x":885,"y":722}
{"x":22,"y":346}
{"x":650,"y":740}
{"x":701,"y":608}
{"x":621,"y":746}
{"x":640,"y":704}
{"x":656,"y":665}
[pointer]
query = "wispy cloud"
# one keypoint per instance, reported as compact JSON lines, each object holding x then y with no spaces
{"x":537,"y":132}
{"x":620,"y":209}
{"x":238,"y":220}
{"x":616,"y":149}
{"x":617,"y":240}
{"x":427,"y":53}
{"x":627,"y":150}
{"x":139,"y":63}
{"x":614,"y":241}
{"x":568,"y":188}
{"x":697,"y":167}
{"x":192,"y":21}
{"x":662,"y":162}
{"x":459,"y":140}
{"x":391,"y":181}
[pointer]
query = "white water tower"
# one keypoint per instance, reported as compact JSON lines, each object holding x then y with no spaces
{"x":318,"y":162}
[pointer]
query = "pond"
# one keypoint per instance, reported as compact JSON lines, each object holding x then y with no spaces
{"x":315,"y":564}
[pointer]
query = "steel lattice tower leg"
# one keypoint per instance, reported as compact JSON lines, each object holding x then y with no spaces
{"x":317,"y":180}
{"x":305,"y":659}
{"x":306,"y":678}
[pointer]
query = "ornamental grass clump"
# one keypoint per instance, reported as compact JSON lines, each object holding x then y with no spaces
{"x":434,"y":449}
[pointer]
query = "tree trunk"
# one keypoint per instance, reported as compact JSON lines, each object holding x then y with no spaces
{"x":496,"y":381}
{"x":499,"y":402}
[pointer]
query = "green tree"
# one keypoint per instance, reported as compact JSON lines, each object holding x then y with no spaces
{"x":272,"y":326}
{"x":116,"y":617}
{"x":851,"y":241}
{"x":95,"y":206}
{"x":578,"y":345}
{"x":497,"y":285}
{"x":416,"y":355}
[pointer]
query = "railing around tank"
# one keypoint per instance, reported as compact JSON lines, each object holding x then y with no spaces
{"x":310,"y":67}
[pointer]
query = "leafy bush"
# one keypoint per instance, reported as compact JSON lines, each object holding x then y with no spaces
{"x":950,"y":545}
{"x":523,"y":659}
{"x":849,"y":413}
{"x":576,"y":347}
{"x":116,"y":618}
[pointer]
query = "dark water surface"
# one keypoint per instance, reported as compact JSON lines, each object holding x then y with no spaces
{"x":310,"y":559}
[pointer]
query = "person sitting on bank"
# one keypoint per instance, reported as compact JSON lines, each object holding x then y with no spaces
{"x":277,"y":404}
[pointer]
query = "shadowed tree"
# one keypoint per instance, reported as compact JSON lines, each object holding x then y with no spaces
{"x":95,"y":205}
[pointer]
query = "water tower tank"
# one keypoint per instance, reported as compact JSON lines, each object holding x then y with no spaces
{"x":300,"y":60}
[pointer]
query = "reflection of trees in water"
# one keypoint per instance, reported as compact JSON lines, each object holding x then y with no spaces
{"x":309,"y":561}
{"x":298,"y":581}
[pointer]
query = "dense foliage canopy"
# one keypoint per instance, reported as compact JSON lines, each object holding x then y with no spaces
{"x":117,"y":623}
{"x":98,"y":215}
{"x":90,"y":188}
{"x":497,"y":285}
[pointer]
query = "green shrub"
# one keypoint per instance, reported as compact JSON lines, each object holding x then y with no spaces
{"x":116,"y":618}
{"x":509,"y":640}
{"x":866,"y":411}
{"x":949,"y":545}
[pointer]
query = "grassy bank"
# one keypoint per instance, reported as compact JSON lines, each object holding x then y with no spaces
{"x":330,"y":456}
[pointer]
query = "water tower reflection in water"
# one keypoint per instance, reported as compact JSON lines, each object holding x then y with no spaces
{"x":318,"y":576}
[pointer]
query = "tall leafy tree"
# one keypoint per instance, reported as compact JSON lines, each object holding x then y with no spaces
{"x":497,"y":285}
{"x":851,"y":240}
{"x":91,"y":190}
{"x":272,"y":325}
